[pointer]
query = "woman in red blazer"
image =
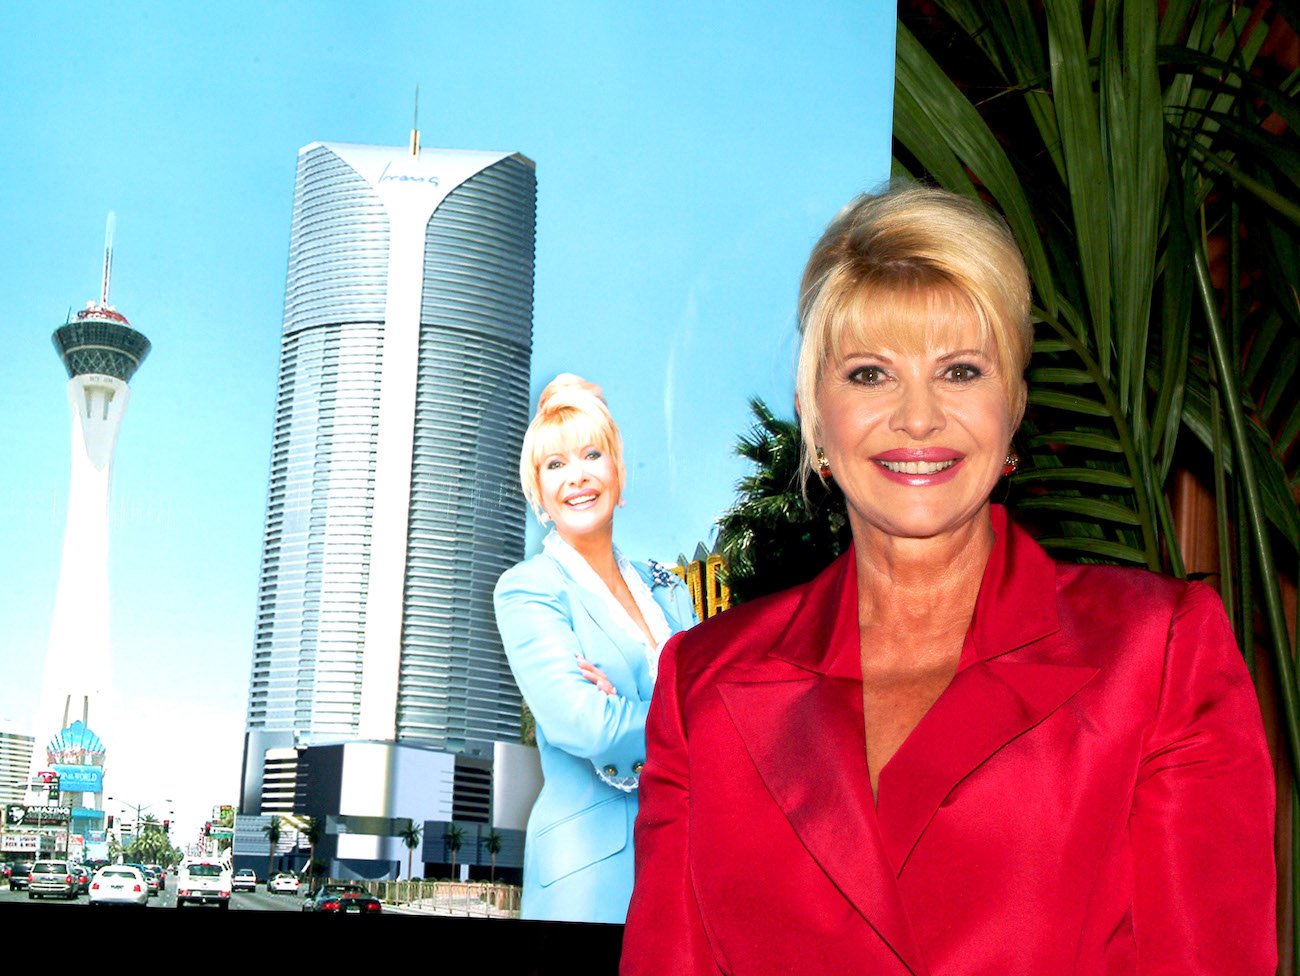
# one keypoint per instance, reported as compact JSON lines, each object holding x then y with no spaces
{"x":948,"y":754}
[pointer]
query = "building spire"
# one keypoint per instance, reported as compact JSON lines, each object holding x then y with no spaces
{"x":415,"y":125}
{"x":107,"y":276}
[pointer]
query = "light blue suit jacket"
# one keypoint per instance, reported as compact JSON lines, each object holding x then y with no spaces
{"x":578,"y":862}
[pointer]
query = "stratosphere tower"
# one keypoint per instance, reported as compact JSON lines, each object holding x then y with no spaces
{"x":101,"y":352}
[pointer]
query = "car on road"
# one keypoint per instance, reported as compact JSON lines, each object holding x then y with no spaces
{"x":119,"y":884}
{"x":83,"y":878}
{"x":19,"y":873}
{"x":283,"y":883}
{"x":342,"y":899}
{"x":245,"y":879}
{"x":152,"y":874}
{"x":51,"y":878}
{"x":150,"y":880}
{"x":203,"y":882}
{"x":161,"y":872}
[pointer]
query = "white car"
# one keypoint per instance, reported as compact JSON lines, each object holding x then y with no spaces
{"x":245,"y":879}
{"x":119,"y":884}
{"x":203,"y":882}
{"x":283,"y":882}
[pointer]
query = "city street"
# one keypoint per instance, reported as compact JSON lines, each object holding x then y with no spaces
{"x":241,"y":901}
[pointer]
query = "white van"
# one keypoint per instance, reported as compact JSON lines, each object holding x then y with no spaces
{"x":203,"y":882}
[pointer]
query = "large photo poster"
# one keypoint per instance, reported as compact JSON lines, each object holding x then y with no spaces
{"x":402,"y":401}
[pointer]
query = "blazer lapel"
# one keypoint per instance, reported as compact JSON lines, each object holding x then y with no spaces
{"x":1006,"y":683}
{"x":594,"y":607}
{"x":986,"y":706}
{"x":822,"y":787}
{"x":805,"y":721}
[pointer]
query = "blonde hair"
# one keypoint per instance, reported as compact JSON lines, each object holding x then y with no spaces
{"x":905,"y":267}
{"x":571,"y":413}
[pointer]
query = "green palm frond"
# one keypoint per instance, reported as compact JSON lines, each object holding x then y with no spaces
{"x":778,"y":533}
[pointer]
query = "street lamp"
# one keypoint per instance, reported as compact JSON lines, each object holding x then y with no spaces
{"x":139,"y":809}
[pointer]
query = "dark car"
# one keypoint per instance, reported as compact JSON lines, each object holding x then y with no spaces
{"x":83,"y":878}
{"x":21,"y":871}
{"x":343,"y":899}
{"x":154,"y":875}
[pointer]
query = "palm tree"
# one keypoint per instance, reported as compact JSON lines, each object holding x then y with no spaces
{"x":493,"y":844}
{"x":411,"y":835}
{"x":1145,"y":157}
{"x":778,"y":533}
{"x":453,"y":837}
{"x":313,"y":828}
{"x":272,"y":831}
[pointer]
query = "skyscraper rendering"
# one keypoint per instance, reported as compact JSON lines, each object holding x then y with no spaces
{"x":101,"y":352}
{"x":393,"y":503}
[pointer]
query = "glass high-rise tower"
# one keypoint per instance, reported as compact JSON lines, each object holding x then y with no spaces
{"x":393,"y":503}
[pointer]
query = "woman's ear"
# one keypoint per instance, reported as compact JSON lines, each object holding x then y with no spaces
{"x":1018,"y":409}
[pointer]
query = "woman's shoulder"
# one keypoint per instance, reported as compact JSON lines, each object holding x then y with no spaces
{"x":536,"y":572}
{"x":1131,"y":589}
{"x":1123,"y":607}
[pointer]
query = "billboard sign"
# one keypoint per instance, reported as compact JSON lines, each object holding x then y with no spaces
{"x":20,"y":843}
{"x":17,"y":815}
{"x":80,"y":779}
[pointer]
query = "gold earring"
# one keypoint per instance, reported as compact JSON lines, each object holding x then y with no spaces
{"x":823,"y":464}
{"x":1010,"y":464}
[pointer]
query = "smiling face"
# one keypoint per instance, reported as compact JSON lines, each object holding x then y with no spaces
{"x":579,"y":492}
{"x":916,"y":426}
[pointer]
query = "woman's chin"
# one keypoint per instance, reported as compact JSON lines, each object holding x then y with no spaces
{"x":919,"y":519}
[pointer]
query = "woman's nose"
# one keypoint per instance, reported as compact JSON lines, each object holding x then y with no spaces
{"x":919,"y":414}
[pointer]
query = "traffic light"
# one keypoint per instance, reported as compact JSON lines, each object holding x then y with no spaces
{"x":53,"y":796}
{"x":167,"y":826}
{"x":110,"y":821}
{"x":207,"y":829}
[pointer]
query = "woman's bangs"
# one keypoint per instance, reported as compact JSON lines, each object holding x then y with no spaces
{"x":903,"y":319}
{"x":570,"y":430}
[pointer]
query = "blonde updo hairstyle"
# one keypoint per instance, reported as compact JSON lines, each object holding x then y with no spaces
{"x":901,"y":270}
{"x":571,"y":413}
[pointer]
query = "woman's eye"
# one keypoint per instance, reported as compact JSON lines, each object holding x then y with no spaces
{"x":964,"y":372}
{"x":554,"y":464}
{"x":593,"y":455}
{"x":867,"y":375}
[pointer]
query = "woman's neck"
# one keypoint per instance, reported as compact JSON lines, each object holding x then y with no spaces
{"x":924,"y":588}
{"x":597,"y":549}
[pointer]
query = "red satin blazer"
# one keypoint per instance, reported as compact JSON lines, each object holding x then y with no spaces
{"x":1091,"y":794}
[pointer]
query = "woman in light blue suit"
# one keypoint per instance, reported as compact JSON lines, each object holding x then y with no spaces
{"x":582,"y":627}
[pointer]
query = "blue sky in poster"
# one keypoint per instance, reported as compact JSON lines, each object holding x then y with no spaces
{"x":687,"y":155}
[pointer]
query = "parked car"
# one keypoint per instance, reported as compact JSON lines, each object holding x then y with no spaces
{"x":283,"y":883}
{"x":245,"y":879}
{"x":203,"y":882}
{"x":51,"y":878}
{"x":343,"y":899}
{"x":20,"y":871}
{"x":119,"y":884}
